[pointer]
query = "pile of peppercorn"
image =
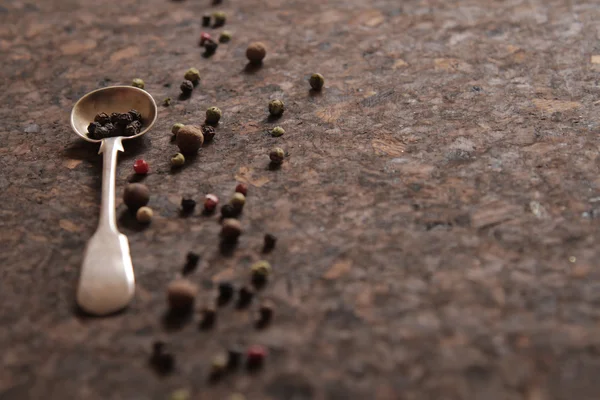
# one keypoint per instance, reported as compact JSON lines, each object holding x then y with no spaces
{"x":115,"y":124}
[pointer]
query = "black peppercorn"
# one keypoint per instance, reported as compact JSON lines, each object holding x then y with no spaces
{"x":102,"y":118}
{"x":234,"y":358}
{"x":229,"y":211}
{"x":113,"y":129}
{"x":226,"y":291}
{"x":209,"y":316}
{"x":217,"y":2}
{"x":188,"y":204}
{"x":245,"y":296}
{"x":270,"y":241}
{"x":124,"y":119}
{"x":191,"y":262}
{"x":92,"y":128}
{"x":114,"y":117}
{"x":206,"y":20}
{"x":136,"y":195}
{"x":265,"y":314}
{"x":208,"y":132}
{"x":186,"y":87}
{"x":135,"y":115}
{"x":133,"y":128}
{"x":210,"y":47}
{"x":101,"y":133}
{"x":161,"y":360}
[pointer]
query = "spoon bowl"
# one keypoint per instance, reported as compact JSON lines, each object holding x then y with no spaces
{"x":113,"y":99}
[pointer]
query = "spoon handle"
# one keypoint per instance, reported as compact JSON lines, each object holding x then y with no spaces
{"x":106,"y":283}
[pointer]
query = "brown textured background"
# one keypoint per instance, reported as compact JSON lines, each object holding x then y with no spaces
{"x":437,"y":216}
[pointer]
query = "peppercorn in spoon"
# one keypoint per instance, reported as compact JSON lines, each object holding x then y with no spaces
{"x":106,"y":282}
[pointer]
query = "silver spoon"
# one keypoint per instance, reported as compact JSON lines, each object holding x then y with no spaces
{"x":106,"y":282}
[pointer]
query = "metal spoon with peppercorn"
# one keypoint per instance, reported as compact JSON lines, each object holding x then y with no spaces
{"x":106,"y":282}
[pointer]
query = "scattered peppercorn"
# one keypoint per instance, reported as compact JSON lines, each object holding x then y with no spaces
{"x":228,"y":211}
{"x":277,"y":155}
{"x":231,"y":229}
{"x":102,"y":118}
{"x":191,"y":262}
{"x":245,"y":296}
{"x":255,"y":356}
{"x":186,"y":87}
{"x":188,"y":205}
{"x":181,"y":394}
{"x":256,"y":52}
{"x":265,"y":314}
{"x":234,"y":358}
{"x":210,"y":47}
{"x":136,"y":195}
{"x":225,"y":37}
{"x":177,"y":160}
{"x":226,"y":291}
{"x":135,"y":115}
{"x":260,"y":272}
{"x":316,"y":81}
{"x":205,"y":20}
{"x":138,"y":83}
{"x":219,"y":19}
{"x":162,"y":360}
{"x":181,"y":294}
{"x":237,"y":201}
{"x":144,"y":215}
{"x":276,"y":107}
{"x":218,"y":366}
{"x":210,"y":203}
{"x":213,"y":115}
{"x":208,"y":132}
{"x":270,"y":241}
{"x":277,"y":131}
{"x":237,"y":396}
{"x":176,"y":127}
{"x":167,"y":102}
{"x":192,"y":75}
{"x":204,"y":37}
{"x":189,"y":139}
{"x":242,"y":188}
{"x":141,"y":167}
{"x":209,"y":316}
{"x":217,"y":2}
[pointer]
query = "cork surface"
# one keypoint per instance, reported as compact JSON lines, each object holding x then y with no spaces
{"x":437,"y":213}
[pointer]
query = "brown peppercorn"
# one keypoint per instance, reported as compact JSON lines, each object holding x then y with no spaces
{"x":181,"y":294}
{"x":186,"y":87}
{"x":277,"y":155}
{"x":256,"y":52}
{"x":231,"y":229}
{"x":208,"y":132}
{"x":189,"y":139}
{"x":136,"y":195}
{"x":102,"y":118}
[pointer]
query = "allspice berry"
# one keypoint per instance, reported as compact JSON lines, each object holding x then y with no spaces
{"x":276,"y":108}
{"x":144,"y":215}
{"x":186,"y":87}
{"x":231,"y":229}
{"x":136,"y":195}
{"x":213,"y":115}
{"x":189,"y":139}
{"x":277,"y":131}
{"x":176,"y":127}
{"x":138,"y":83}
{"x":256,"y":52}
{"x":316,"y":81}
{"x":181,"y":295}
{"x":192,"y":75}
{"x":277,"y":155}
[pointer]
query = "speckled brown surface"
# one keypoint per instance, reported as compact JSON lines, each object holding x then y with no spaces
{"x":437,"y":213}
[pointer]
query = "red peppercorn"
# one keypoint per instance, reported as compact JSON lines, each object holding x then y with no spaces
{"x":242,"y":188}
{"x":210,"y":202}
{"x":141,"y":167}
{"x":256,"y":355}
{"x":204,"y":37}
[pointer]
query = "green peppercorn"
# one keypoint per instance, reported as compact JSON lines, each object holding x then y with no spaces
{"x":180,"y":394}
{"x":186,"y":87}
{"x":237,"y":201}
{"x":189,"y":139}
{"x":138,"y":83}
{"x":213,"y":115}
{"x":144,"y":215}
{"x":231,"y":229}
{"x":167,"y":102}
{"x":136,"y":195}
{"x":219,"y":19}
{"x":277,"y":131}
{"x":225,"y":37}
{"x":256,"y":52}
{"x":178,"y":160}
{"x":260,"y":272}
{"x":276,"y":108}
{"x":192,"y":75}
{"x":316,"y":81}
{"x":218,"y":366}
{"x":277,"y":155}
{"x":176,"y":127}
